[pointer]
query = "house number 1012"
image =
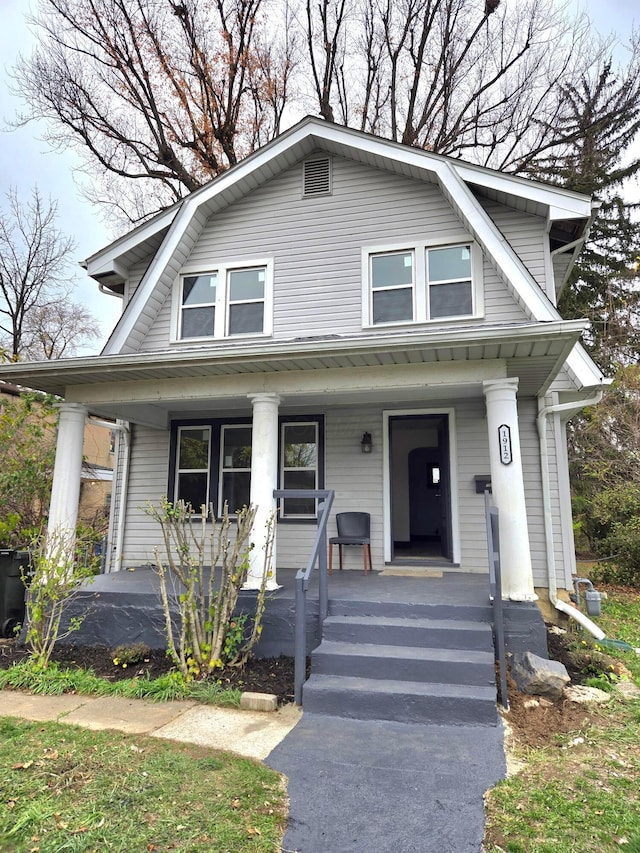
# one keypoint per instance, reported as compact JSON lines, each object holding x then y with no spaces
{"x":504,"y":437}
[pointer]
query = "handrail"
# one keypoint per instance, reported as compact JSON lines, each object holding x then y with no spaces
{"x":495,"y":593}
{"x":318,"y":554}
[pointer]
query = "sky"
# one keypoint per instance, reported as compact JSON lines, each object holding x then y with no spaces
{"x":26,"y":160}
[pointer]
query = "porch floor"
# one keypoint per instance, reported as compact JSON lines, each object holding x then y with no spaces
{"x":451,"y":588}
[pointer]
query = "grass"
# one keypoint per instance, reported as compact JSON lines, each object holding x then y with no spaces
{"x":71,"y":789}
{"x":55,"y":680}
{"x":579,"y":796}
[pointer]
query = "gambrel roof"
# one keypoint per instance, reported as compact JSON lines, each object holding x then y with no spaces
{"x":171,"y":235}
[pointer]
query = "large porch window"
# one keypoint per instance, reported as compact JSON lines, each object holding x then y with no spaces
{"x":210,"y":462}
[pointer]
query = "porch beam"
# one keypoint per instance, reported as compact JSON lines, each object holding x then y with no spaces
{"x":507,"y":484}
{"x":292,"y":382}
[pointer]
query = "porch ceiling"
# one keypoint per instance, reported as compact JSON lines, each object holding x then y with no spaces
{"x":117,"y":384}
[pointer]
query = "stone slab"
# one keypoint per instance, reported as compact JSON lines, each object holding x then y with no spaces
{"x":133,"y":716}
{"x":253,"y":734}
{"x":258,"y":701}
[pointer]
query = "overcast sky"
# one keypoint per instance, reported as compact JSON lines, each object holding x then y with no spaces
{"x":25,"y":160}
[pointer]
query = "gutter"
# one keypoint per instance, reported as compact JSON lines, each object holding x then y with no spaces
{"x":541,"y":421}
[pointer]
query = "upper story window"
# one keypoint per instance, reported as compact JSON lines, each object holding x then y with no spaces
{"x":229,"y":301}
{"x":421,"y":283}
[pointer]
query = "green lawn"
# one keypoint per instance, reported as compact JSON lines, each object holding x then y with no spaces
{"x":69,"y":789}
{"x":579,"y":796}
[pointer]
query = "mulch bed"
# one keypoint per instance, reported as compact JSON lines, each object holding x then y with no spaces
{"x":267,"y":675}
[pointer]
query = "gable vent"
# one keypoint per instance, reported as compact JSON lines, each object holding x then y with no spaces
{"x":316,"y":176}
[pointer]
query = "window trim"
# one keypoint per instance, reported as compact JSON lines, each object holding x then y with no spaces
{"x":222,"y":301}
{"x":215,"y":452}
{"x":421,"y":284}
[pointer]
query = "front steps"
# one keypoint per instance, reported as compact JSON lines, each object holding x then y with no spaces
{"x":431,"y":663}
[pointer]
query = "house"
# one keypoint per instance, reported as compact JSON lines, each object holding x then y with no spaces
{"x":97,"y":462}
{"x":335,"y":289}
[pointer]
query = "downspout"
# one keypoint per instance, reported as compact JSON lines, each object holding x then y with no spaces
{"x":124,"y":429}
{"x":541,"y":421}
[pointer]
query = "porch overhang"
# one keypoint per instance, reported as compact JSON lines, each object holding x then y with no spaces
{"x":147,"y":387}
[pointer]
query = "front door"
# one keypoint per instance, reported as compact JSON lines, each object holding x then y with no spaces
{"x":420,"y":488}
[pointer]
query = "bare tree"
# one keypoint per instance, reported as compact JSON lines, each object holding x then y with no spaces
{"x":159,"y":96}
{"x":165,"y":94}
{"x":33,"y":262}
{"x":57,"y":330}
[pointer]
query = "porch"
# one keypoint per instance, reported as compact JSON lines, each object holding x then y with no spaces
{"x":124,"y":607}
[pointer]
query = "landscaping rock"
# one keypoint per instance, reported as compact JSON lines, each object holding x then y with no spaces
{"x":258,"y":702}
{"x":538,"y":676}
{"x":582,"y":694}
{"x":627,"y":690}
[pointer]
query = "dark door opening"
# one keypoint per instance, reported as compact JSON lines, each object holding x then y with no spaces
{"x":420,"y":492}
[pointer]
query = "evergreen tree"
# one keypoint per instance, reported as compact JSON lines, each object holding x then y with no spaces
{"x":603,"y":123}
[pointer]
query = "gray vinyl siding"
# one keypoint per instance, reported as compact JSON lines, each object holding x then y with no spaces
{"x":316,"y":246}
{"x":530,"y":449}
{"x":525,"y":234}
{"x":148,"y":467}
{"x":357,"y":480}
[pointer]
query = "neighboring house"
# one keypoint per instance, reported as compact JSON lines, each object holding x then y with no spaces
{"x":333,"y":287}
{"x":97,"y":465}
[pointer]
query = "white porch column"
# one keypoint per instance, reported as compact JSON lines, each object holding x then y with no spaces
{"x":507,"y":484}
{"x":67,"y":471}
{"x":264,"y":479}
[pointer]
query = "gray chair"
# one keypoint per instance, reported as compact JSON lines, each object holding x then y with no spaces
{"x":354,"y":528}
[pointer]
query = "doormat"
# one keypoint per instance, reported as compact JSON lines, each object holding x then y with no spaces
{"x":411,"y":573}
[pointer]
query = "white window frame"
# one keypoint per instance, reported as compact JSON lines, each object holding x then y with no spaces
{"x":222,"y":302}
{"x":283,"y":427}
{"x":179,"y":470}
{"x":421,"y":283}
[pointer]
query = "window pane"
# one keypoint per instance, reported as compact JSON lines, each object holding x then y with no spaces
{"x":388,"y":270}
{"x":194,"y":449}
{"x":246,"y":284}
{"x":236,"y":452}
{"x":192,"y":488}
{"x":392,"y":305}
{"x":451,"y":300}
{"x":300,"y":449}
{"x":199,"y":289}
{"x":236,"y":489}
{"x":446,"y":264}
{"x":246,"y":317}
{"x":197,"y":322}
{"x":299,"y":480}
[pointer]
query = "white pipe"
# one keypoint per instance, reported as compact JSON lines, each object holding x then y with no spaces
{"x":125,"y":432}
{"x":541,"y":421}
{"x":579,"y":616}
{"x":107,"y":291}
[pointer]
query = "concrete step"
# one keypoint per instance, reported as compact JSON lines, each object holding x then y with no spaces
{"x":402,"y":701}
{"x":411,"y":610}
{"x":425,"y":633}
{"x":404,"y":663}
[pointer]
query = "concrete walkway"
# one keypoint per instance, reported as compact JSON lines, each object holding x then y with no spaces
{"x":353,"y":785}
{"x":250,"y":733}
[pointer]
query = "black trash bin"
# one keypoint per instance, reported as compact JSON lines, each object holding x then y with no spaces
{"x":12,"y":566}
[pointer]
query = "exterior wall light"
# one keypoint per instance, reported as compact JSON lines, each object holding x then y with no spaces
{"x":366,"y":445}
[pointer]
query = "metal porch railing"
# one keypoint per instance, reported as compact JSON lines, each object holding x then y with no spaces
{"x":318,"y":555}
{"x":495,"y":592}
